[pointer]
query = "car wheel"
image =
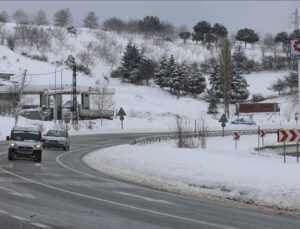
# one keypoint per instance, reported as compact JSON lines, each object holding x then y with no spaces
{"x":38,"y":157}
{"x":10,"y":156}
{"x":65,"y":148}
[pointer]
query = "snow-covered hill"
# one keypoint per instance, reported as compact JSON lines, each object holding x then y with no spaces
{"x":148,"y":108}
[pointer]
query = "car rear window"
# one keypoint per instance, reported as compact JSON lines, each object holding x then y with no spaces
{"x":56,"y":133}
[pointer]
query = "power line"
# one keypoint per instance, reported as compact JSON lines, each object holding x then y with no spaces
{"x":46,"y":73}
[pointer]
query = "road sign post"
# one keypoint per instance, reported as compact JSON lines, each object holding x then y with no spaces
{"x":223,"y":121}
{"x":236,"y":137}
{"x":121,"y":113}
{"x":288,"y":136}
{"x":262,"y":135}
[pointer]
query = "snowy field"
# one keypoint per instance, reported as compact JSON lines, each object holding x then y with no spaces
{"x":221,"y":171}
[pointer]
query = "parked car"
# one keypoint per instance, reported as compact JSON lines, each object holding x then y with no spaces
{"x":243,"y":121}
{"x":56,"y":139}
{"x":25,"y":142}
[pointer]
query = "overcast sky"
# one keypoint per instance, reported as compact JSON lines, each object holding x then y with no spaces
{"x":262,"y":16}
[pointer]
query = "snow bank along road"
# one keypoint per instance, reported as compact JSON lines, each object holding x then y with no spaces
{"x":62,"y":192}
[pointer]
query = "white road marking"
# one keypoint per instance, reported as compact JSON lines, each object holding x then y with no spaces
{"x":3,"y":212}
{"x":77,"y":171}
{"x":122,"y":205}
{"x":19,"y":218}
{"x":40,"y":225}
{"x":13,"y":192}
{"x":145,"y":198}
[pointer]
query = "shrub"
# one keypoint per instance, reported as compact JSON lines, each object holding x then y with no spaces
{"x":71,"y":30}
{"x":117,"y":73}
{"x":258,"y":97}
{"x":83,"y":68}
{"x":40,"y":58}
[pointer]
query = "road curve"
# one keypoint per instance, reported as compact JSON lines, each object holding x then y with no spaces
{"x":63,"y":192}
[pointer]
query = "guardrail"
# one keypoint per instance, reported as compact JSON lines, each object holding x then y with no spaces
{"x":211,"y":133}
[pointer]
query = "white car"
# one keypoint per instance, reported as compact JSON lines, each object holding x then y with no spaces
{"x":56,"y":139}
{"x":243,"y":121}
{"x":25,"y":142}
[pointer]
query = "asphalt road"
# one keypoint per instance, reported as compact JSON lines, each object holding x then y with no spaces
{"x":62,"y":192}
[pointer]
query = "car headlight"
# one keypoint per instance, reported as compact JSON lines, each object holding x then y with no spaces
{"x":13,"y":144}
{"x":37,"y":146}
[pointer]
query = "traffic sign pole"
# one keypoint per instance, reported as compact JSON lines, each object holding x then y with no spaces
{"x":297,"y":152}
{"x":298,"y":85}
{"x":236,"y":137}
{"x":258,"y":133}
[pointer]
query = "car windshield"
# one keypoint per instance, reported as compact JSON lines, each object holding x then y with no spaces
{"x":25,"y":135}
{"x":56,"y":133}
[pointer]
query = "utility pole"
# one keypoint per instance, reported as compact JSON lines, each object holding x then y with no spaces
{"x":74,"y":98}
{"x":61,"y":90}
{"x":19,"y":104}
{"x":295,"y":20}
{"x":55,"y":105}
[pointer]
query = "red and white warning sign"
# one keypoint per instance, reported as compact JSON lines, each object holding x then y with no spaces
{"x":295,"y":49}
{"x":262,"y":133}
{"x":236,"y":136}
{"x":289,"y":135}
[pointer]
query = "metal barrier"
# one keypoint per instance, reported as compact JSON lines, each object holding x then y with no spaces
{"x":212,"y":133}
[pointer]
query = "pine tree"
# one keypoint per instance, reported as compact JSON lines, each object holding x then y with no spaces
{"x":215,"y":82}
{"x":161,"y":72}
{"x":239,"y":58}
{"x":131,"y":62}
{"x":213,"y":101}
{"x":196,"y":83}
{"x":179,"y":78}
{"x":167,"y":81}
{"x":239,"y":86}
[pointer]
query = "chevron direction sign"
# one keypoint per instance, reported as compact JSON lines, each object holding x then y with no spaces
{"x":289,"y":135}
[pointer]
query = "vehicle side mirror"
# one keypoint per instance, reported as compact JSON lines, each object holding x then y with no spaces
{"x":7,"y":138}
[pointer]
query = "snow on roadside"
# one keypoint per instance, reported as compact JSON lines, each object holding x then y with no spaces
{"x":219,"y":170}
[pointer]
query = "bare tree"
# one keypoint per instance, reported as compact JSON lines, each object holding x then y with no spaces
{"x":40,"y":18}
{"x":11,"y":41}
{"x":182,"y":128}
{"x":22,"y":34}
{"x":20,"y":17}
{"x":202,"y":129}
{"x":4,"y":17}
{"x":91,"y":20}
{"x":270,"y":44}
{"x":63,"y":18}
{"x":133,"y":26}
{"x":226,"y":72}
{"x":60,"y":36}
{"x":4,"y":32}
{"x":103,"y":100}
{"x":87,"y":56}
{"x":114,"y":24}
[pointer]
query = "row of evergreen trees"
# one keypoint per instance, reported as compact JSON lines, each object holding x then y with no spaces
{"x":181,"y":78}
{"x":238,"y":90}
